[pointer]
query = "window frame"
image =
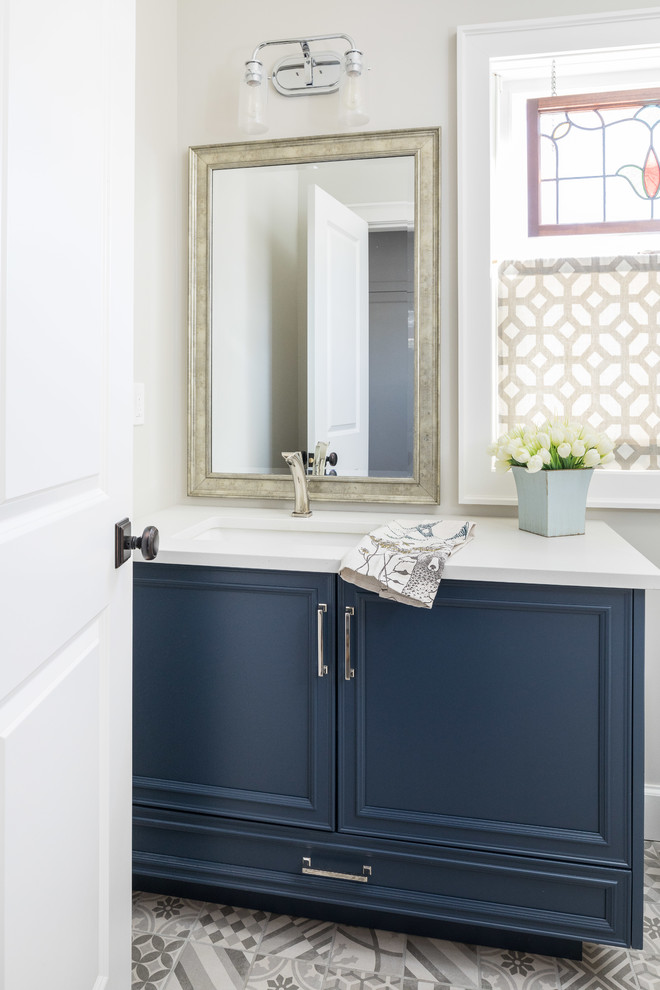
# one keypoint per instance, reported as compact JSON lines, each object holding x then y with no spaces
{"x":582,"y":101}
{"x":477,"y":45}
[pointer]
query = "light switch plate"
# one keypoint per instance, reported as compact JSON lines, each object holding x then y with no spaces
{"x":138,"y":403}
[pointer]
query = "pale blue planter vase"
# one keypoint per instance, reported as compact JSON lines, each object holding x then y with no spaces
{"x":552,"y":503}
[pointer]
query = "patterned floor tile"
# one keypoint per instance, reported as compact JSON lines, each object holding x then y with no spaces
{"x":153,"y":959}
{"x":652,"y":928}
{"x":368,"y":950}
{"x":507,"y":969}
{"x":652,"y":871}
{"x":441,"y":962}
{"x":297,"y":938}
{"x":280,"y":973}
{"x":601,"y":968}
{"x":207,"y":967}
{"x":164,"y":914}
{"x":647,"y":972}
{"x":234,"y":928}
{"x":348,"y":979}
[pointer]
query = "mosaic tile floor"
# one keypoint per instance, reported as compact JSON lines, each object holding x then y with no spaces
{"x":190,"y":945}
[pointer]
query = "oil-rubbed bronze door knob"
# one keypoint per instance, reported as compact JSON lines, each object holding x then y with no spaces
{"x":147,"y":544}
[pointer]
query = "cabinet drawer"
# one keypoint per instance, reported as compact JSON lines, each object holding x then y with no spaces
{"x":488,"y":890}
{"x":550,"y":899}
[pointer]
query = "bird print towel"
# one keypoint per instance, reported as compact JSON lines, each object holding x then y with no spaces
{"x":403,"y":561}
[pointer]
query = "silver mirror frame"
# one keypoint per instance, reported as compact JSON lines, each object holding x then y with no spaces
{"x":424,"y":146}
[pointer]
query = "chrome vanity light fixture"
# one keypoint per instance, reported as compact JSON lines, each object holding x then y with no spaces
{"x":308,"y":73}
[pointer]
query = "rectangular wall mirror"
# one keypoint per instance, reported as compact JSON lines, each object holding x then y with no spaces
{"x":314,"y":316}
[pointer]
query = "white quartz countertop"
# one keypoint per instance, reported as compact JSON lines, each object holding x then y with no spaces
{"x":273,"y":539}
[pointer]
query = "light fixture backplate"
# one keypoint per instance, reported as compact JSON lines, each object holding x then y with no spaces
{"x":289,"y":75}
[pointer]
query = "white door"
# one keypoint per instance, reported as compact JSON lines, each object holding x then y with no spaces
{"x":66,"y":235}
{"x":338,"y":332}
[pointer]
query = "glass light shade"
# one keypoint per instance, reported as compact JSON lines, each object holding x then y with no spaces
{"x":253,"y":100}
{"x":353,"y":91}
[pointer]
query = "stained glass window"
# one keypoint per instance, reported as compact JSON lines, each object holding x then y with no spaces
{"x":594,"y":163}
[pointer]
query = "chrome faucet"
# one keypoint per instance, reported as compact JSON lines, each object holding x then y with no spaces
{"x":299,"y":475}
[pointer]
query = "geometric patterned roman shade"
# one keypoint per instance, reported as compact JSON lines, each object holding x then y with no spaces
{"x":580,"y":339}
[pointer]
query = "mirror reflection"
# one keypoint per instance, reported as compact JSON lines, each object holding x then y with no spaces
{"x":312,"y":316}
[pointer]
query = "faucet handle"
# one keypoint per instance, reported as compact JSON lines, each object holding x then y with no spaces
{"x":320,"y":452}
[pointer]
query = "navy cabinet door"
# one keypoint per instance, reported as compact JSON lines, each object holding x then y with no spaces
{"x":231,"y":716}
{"x":500,"y":719}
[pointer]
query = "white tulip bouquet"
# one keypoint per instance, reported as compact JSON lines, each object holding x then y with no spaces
{"x":554,"y":446}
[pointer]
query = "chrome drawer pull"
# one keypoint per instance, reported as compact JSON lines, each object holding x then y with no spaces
{"x":321,"y":609}
{"x":348,"y":670}
{"x":358,"y":877}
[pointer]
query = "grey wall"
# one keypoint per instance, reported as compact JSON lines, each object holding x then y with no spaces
{"x":391,"y":360}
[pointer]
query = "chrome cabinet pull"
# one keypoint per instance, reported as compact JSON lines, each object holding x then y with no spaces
{"x":357,"y":877}
{"x":320,"y":611}
{"x":348,"y":670}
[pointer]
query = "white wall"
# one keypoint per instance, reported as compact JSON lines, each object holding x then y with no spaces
{"x":161,"y":247}
{"x":254,"y":287}
{"x":190,"y":57}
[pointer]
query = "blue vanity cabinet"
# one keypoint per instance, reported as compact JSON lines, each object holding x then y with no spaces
{"x":231,"y":716}
{"x":472,"y":771}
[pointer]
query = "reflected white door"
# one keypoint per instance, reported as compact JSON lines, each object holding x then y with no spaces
{"x":66,"y":237}
{"x":338,"y":332}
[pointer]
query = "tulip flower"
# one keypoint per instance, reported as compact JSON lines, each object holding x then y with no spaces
{"x":552,"y":446}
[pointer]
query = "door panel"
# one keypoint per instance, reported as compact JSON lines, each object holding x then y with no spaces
{"x":338,"y":331}
{"x":248,"y":732}
{"x":43,"y":557}
{"x":498,"y":719}
{"x":66,"y":268}
{"x":52,"y":835}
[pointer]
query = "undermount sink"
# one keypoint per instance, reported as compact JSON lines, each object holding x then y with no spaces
{"x":268,"y":536}
{"x":244,"y":538}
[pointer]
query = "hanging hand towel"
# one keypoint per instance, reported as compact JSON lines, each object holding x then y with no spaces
{"x":405,"y":562}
